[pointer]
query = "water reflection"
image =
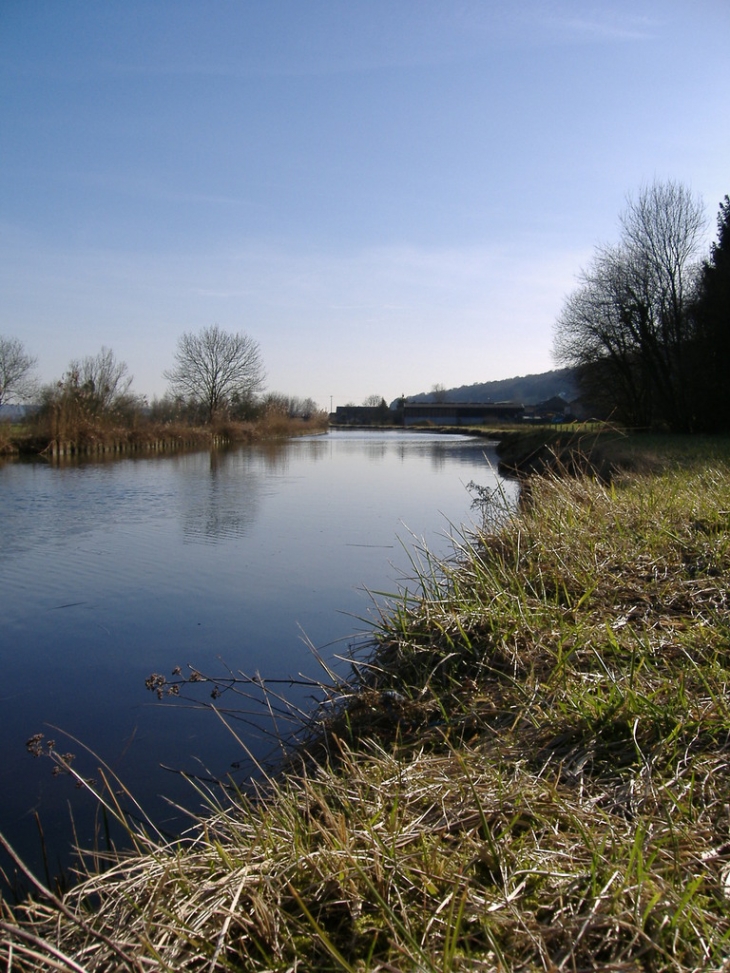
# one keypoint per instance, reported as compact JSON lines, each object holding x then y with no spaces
{"x":111,"y":571}
{"x":223,"y":504}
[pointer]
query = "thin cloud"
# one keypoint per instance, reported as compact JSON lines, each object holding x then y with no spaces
{"x":630,"y":29}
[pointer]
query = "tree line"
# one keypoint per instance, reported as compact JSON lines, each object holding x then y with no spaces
{"x":216,"y":376}
{"x":647,"y":332}
{"x":648,"y":328}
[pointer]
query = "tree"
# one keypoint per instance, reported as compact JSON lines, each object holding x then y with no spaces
{"x":712,"y":322}
{"x":102,"y":382}
{"x":600,"y":331}
{"x":93,"y":393}
{"x":380,"y":410}
{"x":289,"y":405}
{"x":215,"y":368}
{"x":628,"y":327}
{"x":16,"y":379}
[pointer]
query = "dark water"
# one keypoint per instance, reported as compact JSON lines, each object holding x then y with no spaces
{"x":112,"y":571}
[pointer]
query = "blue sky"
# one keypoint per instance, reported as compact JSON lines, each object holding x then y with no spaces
{"x":385,"y":194}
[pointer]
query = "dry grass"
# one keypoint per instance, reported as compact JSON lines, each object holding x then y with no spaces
{"x":530,"y":771}
{"x":272,"y":425}
{"x":7,"y":447}
{"x":88,"y":436}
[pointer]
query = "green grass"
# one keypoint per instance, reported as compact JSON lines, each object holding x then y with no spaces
{"x":604,"y":449}
{"x":530,"y":771}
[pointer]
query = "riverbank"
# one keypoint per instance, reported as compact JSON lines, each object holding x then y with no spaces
{"x":531,"y":774}
{"x":602,"y":450}
{"x":100,"y":439}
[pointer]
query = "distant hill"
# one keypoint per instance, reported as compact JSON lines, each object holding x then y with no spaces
{"x":12,"y":413}
{"x":526,"y":389}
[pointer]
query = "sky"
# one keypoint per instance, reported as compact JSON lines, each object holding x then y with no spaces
{"x":386,"y":195}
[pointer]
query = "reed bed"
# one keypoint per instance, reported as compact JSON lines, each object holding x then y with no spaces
{"x":92,"y":436}
{"x":7,"y":448}
{"x":529,"y":771}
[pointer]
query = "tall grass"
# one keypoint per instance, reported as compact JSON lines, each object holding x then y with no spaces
{"x":6,"y":439}
{"x":530,"y":770}
{"x":77,"y":433}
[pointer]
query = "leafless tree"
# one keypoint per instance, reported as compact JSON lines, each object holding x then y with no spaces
{"x":627,"y":326}
{"x":289,"y":405}
{"x":215,"y":368}
{"x":102,"y":381}
{"x":16,"y":372}
{"x":93,"y":392}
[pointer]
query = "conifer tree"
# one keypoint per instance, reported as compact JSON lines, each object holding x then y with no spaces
{"x":711,"y":360}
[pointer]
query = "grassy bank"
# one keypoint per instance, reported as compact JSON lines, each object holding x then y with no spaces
{"x":102,"y":436}
{"x":532,"y":772}
{"x":601,"y":449}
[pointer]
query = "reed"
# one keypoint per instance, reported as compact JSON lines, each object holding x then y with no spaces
{"x":61,"y":434}
{"x":7,"y":447}
{"x":529,"y":770}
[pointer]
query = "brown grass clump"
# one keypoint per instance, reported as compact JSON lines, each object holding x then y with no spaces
{"x":7,"y":447}
{"x":89,"y":435}
{"x":271,"y":425}
{"x":529,"y":772}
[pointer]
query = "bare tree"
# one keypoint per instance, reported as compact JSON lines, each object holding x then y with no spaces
{"x":214,"y":368}
{"x":289,"y":405}
{"x":93,"y":392}
{"x":662,"y":232}
{"x":601,"y":331}
{"x":102,"y":381}
{"x":16,"y":367}
{"x":628,"y":326}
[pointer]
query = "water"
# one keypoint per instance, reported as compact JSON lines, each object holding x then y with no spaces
{"x":110,"y":571}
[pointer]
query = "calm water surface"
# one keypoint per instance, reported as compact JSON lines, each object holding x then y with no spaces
{"x":110,"y":571}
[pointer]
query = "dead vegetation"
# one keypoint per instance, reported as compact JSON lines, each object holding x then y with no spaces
{"x":91,"y":437}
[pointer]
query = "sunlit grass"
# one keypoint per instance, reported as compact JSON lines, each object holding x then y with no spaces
{"x":89,"y":435}
{"x":529,"y":771}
